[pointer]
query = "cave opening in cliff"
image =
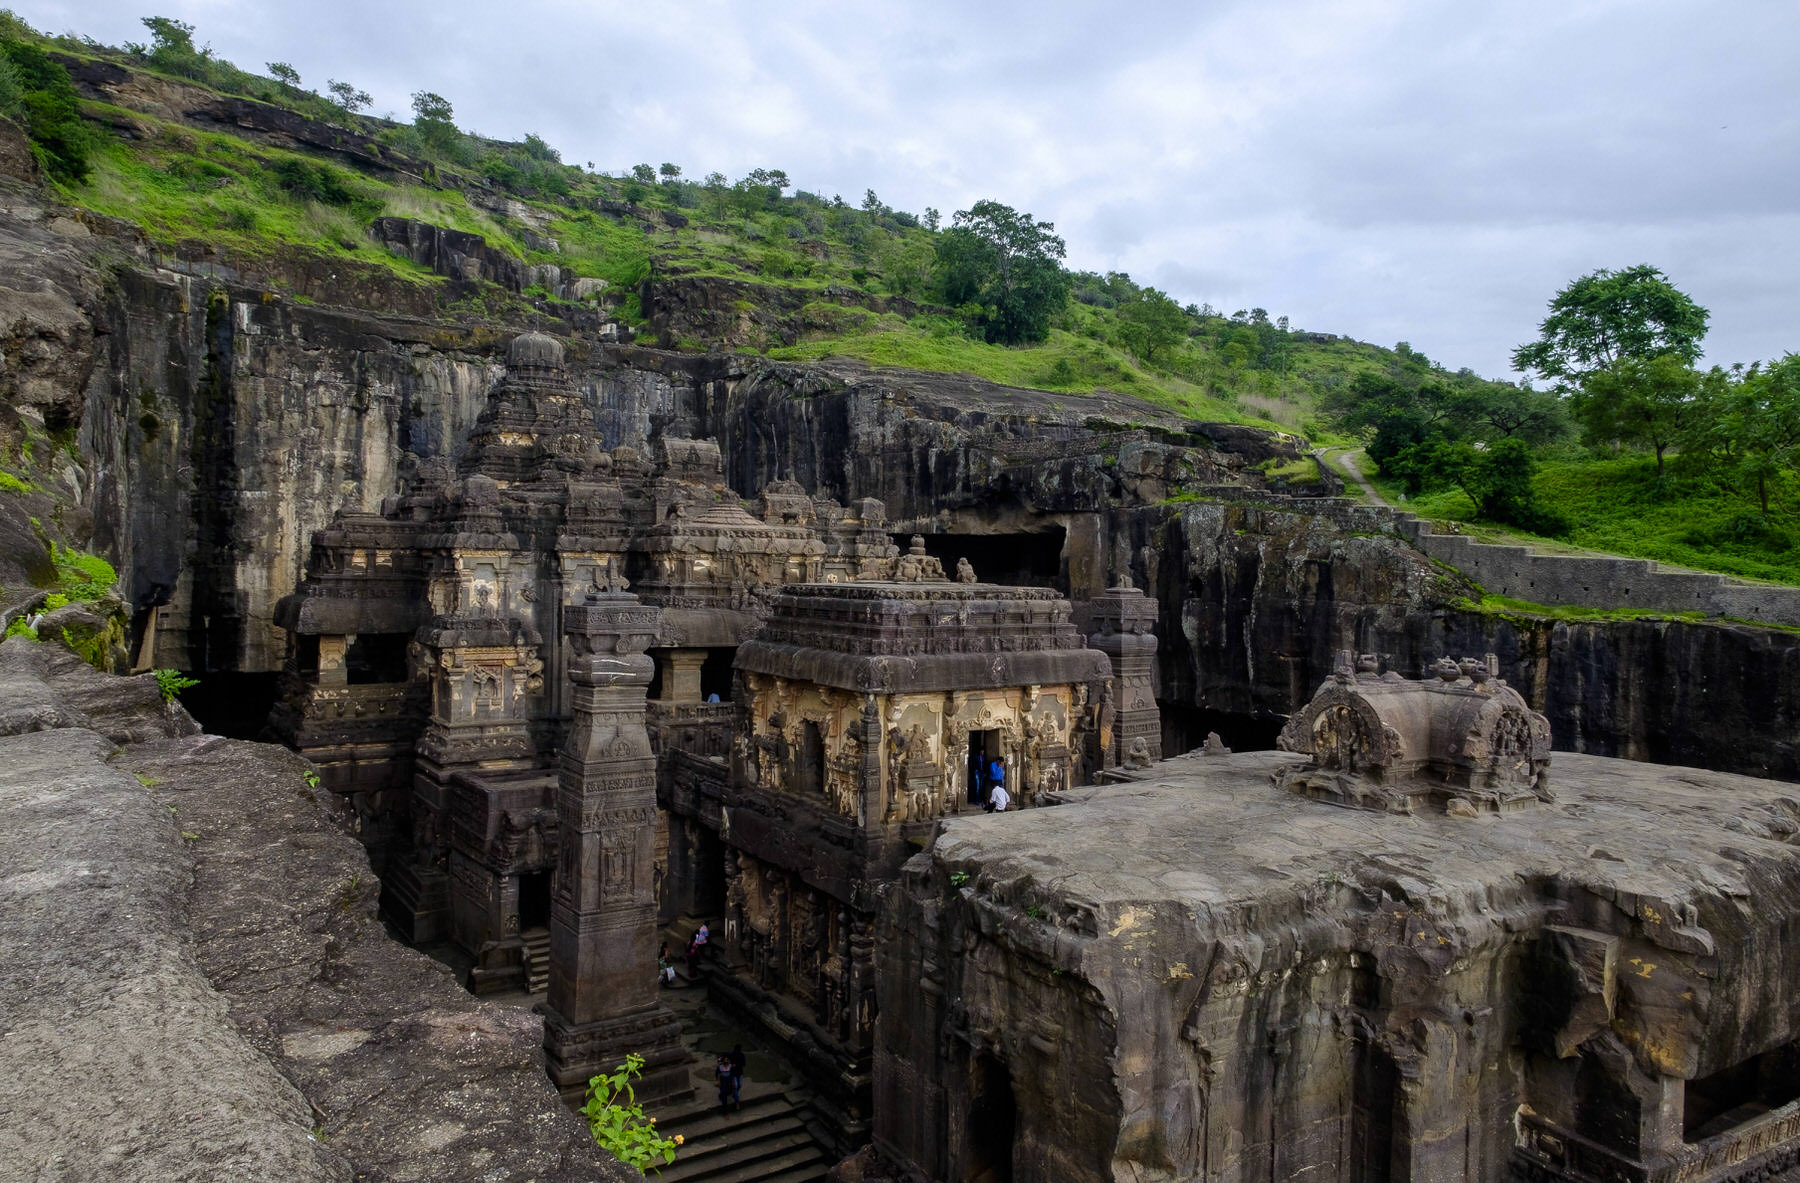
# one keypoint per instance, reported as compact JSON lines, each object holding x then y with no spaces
{"x":234,"y":705}
{"x":993,"y":1121}
{"x":1185,"y":728}
{"x":1014,"y":560}
{"x":1717,"y":1104}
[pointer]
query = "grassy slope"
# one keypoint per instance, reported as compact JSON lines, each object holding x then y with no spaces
{"x":180,"y":183}
{"x":1619,"y":506}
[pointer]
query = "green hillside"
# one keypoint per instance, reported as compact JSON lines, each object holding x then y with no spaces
{"x":868,"y":280}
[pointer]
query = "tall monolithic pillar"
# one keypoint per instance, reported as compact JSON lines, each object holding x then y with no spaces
{"x":603,"y":1002}
{"x":1121,"y":622}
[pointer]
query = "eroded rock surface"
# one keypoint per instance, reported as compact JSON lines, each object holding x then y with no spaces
{"x":194,"y":982}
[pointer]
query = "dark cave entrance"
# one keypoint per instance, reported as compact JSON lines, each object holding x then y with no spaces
{"x":1014,"y":560}
{"x":232,"y":704}
{"x":1184,"y":728}
{"x":993,"y":1122}
{"x":534,"y":900}
{"x":1715,"y":1104}
{"x":375,"y":657}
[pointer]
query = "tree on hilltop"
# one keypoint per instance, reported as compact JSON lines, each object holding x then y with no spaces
{"x":1006,"y":266}
{"x":1608,"y":317}
{"x":1150,"y":322}
{"x":349,"y":98}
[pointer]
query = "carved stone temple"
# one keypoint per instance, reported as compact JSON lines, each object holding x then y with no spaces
{"x":1211,"y":972}
{"x":581,"y":701}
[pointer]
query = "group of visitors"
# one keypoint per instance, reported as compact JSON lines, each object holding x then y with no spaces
{"x":990,"y":783}
{"x":665,"y":965}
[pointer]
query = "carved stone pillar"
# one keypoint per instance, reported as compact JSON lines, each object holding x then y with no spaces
{"x":603,"y":1001}
{"x":681,"y":675}
{"x":1120,"y":621}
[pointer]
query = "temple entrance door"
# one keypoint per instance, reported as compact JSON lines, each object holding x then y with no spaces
{"x":811,"y":771}
{"x":534,"y":900}
{"x":993,"y":1120}
{"x":984,"y":746}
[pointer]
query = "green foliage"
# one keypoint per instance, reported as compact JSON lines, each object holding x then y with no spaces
{"x":1497,"y":480}
{"x":285,"y":74}
{"x":80,"y":575}
{"x":172,"y":49}
{"x":1693,"y":515}
{"x":434,"y":120}
{"x":1150,"y":323}
{"x":312,"y":778}
{"x":1006,"y":266}
{"x":172,"y":682}
{"x":347,"y":97}
{"x":1611,"y":316}
{"x":958,"y":878}
{"x":1655,"y":401}
{"x":19,"y":626}
{"x":44,"y":95}
{"x":13,"y":484}
{"x":618,"y":1122}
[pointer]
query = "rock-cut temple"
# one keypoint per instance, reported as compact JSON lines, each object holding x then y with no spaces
{"x":579,"y":698}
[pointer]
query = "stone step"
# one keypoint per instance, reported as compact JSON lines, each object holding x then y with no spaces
{"x":701,"y":1116}
{"x":760,"y":1170}
{"x":730,"y":1159}
{"x":536,"y":955}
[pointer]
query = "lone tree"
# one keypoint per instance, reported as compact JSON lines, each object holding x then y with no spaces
{"x":349,"y":98}
{"x":1607,"y":317}
{"x":1150,"y":322}
{"x":285,"y":74}
{"x":1006,"y":264}
{"x":434,"y":119}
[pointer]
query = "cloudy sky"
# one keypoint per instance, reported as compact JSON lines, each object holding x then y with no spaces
{"x":1420,"y":170}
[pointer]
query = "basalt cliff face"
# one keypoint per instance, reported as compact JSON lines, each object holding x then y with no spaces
{"x":218,"y":411}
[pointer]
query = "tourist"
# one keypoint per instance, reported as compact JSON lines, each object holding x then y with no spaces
{"x":998,"y":797}
{"x":665,"y":968}
{"x":726,"y":1076}
{"x":696,"y":947}
{"x":738,"y":1063}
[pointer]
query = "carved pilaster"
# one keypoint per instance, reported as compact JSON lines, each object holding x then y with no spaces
{"x":603,"y":1003}
{"x":1120,"y":623}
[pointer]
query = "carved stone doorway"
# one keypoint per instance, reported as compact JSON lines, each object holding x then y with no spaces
{"x":984,"y":747}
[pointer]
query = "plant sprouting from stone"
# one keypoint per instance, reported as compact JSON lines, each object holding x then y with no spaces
{"x":618,"y":1122}
{"x":172,"y":682}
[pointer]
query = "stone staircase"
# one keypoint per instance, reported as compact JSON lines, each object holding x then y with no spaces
{"x":765,"y":1140}
{"x":536,"y":956}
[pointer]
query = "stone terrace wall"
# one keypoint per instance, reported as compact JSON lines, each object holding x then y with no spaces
{"x":1518,"y":573}
{"x":1599,"y":582}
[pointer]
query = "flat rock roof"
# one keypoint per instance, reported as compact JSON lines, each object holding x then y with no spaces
{"x":1215,"y":834}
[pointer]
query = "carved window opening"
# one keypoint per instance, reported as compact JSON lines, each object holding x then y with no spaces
{"x":993,"y":1122}
{"x":306,"y":653}
{"x":1719,"y":1103}
{"x":534,"y":901}
{"x":984,"y":748}
{"x":655,"y":690}
{"x":715,"y":674}
{"x":376,"y":657}
{"x":809,"y":776}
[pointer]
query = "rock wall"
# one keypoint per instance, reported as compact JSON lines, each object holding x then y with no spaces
{"x":196,"y":985}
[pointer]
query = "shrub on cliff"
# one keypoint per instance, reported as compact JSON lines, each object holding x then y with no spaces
{"x":45,"y":100}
